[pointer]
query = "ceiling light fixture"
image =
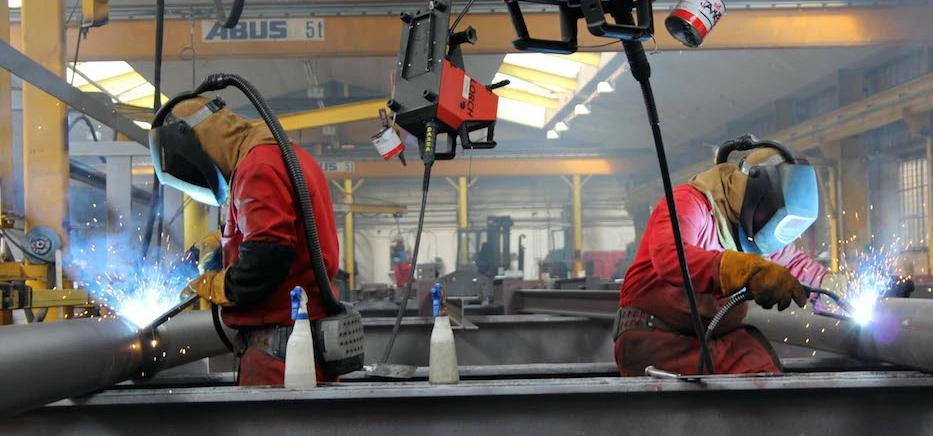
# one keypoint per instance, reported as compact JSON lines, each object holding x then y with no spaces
{"x":551,"y":134}
{"x":581,"y":109}
{"x":561,"y":126}
{"x":604,"y":87}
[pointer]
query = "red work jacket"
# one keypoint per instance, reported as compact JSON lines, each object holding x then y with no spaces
{"x":262,"y":209}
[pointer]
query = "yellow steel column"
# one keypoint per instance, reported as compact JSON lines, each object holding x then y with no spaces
{"x":45,"y":153}
{"x":6,"y":127}
{"x":197,"y":222}
{"x":463,"y":257}
{"x":6,"y":134}
{"x":196,"y":226}
{"x":577,"y":251}
{"x":348,"y":260}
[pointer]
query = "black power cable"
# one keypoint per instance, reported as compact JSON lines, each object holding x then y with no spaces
{"x":155,"y":205}
{"x":641,"y":70}
{"x":413,"y":262}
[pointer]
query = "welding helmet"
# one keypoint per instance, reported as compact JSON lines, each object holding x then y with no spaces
{"x":781,"y":199}
{"x":179,"y":159}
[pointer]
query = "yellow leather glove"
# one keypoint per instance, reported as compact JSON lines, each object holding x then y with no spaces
{"x":210,"y":255}
{"x":767,"y":281}
{"x":210,"y":286}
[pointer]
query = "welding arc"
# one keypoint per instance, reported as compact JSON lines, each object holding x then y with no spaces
{"x":641,"y":70}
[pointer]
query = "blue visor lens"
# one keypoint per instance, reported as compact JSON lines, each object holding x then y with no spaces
{"x":801,"y":207}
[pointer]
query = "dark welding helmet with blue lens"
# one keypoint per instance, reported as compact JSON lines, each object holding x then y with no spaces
{"x":178,"y":158}
{"x":781,"y":197}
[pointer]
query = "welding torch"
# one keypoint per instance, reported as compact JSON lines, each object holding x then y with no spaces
{"x":744,"y":295}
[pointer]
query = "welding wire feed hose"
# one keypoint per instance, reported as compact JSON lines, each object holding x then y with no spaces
{"x":413,"y":262}
{"x":216,"y":82}
{"x":641,"y":70}
{"x":155,"y":205}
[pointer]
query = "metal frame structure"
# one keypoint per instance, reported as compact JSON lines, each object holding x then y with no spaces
{"x":847,"y":403}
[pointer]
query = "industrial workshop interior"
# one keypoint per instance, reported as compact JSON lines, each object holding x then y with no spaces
{"x":466,"y":217}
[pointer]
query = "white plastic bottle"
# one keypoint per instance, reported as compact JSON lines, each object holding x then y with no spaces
{"x":443,"y":367}
{"x":299,"y":353}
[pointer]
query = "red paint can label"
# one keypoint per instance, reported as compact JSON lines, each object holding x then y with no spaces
{"x":701,"y":14}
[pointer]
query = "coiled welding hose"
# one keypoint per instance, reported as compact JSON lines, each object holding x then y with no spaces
{"x":641,"y":70}
{"x":744,"y":295}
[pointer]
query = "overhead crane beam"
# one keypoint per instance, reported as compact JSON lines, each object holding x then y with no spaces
{"x":131,"y":40}
{"x":864,"y":115}
{"x":497,"y":167}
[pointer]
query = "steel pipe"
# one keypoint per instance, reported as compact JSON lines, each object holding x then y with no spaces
{"x":900,"y":332}
{"x":46,"y":362}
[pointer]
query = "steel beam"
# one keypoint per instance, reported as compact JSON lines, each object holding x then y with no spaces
{"x":328,"y":116}
{"x":846,"y":403}
{"x":489,"y":167}
{"x":527,"y":97}
{"x":745,"y":28}
{"x":538,"y":76}
{"x":52,"y":83}
{"x":864,"y":115}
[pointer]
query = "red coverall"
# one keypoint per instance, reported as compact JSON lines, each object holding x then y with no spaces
{"x":261,"y":209}
{"x":653,"y":284}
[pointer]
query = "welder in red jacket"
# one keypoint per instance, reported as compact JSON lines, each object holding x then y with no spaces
{"x":738,"y":224}
{"x":264,"y":250}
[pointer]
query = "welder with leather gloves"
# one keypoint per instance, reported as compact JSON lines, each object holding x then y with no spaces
{"x":215,"y":153}
{"x":738,"y":223}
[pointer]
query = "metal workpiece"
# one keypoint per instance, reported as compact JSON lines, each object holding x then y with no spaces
{"x":845,"y":403}
{"x":901,"y":332}
{"x":597,"y":304}
{"x":45,"y":362}
{"x":497,"y":340}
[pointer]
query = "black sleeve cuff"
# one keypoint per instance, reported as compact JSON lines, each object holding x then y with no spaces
{"x":260,"y":268}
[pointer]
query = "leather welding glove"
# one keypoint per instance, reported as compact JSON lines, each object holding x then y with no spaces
{"x":210,"y":286}
{"x":767,"y":281}
{"x":210,"y":254}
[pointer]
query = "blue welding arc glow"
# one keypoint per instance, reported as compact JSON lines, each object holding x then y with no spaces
{"x":137,"y":293}
{"x":867,"y":285}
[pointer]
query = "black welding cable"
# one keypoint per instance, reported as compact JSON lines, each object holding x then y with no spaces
{"x":87,"y":121}
{"x":641,"y":70}
{"x":413,"y":262}
{"x":155,"y":209}
{"x":460,"y":16}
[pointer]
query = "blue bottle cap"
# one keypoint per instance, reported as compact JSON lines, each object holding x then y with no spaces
{"x":436,"y":298}
{"x":296,"y":304}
